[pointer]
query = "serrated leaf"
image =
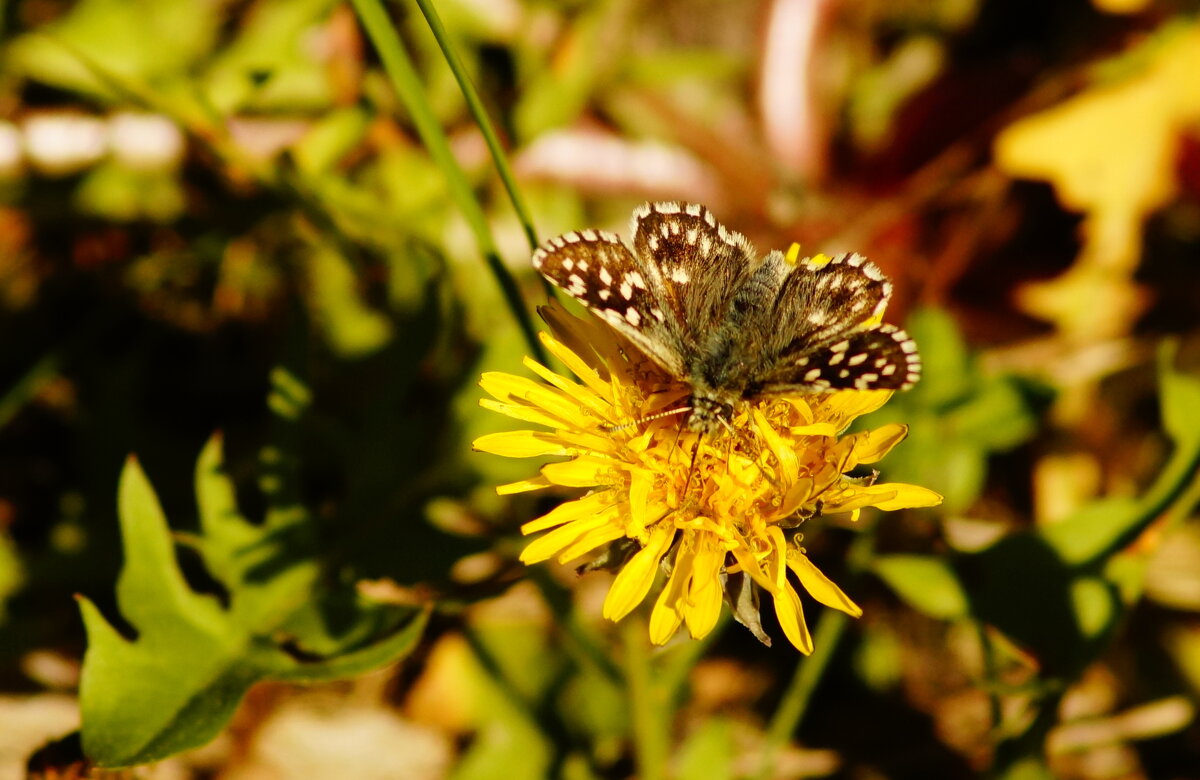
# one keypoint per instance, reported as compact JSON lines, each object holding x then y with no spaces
{"x":176,"y":683}
{"x":927,"y":584}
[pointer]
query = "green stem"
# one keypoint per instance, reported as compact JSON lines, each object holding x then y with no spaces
{"x":475,"y":105}
{"x":407,"y":83}
{"x":648,"y":711}
{"x":810,"y":669}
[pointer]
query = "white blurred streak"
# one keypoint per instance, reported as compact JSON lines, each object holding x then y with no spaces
{"x":263,"y":138}
{"x":1146,"y":721}
{"x":145,"y":141}
{"x":793,"y":123}
{"x":10,"y":149}
{"x":63,"y":143}
{"x":602,"y":162}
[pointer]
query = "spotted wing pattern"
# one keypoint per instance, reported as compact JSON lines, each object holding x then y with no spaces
{"x":597,"y":269}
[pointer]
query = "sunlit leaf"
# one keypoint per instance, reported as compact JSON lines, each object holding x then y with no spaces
{"x":925,"y":583}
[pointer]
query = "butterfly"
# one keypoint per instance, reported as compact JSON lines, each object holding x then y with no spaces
{"x":701,"y":302}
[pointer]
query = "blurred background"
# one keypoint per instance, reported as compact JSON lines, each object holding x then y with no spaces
{"x":206,"y":202}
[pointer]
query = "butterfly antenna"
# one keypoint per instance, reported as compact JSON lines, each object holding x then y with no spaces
{"x":646,"y":419}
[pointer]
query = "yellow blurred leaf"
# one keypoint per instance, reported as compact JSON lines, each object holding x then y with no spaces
{"x":1110,"y":153}
{"x":1120,"y":6}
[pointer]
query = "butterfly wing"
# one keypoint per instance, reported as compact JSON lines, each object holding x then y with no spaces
{"x":828,"y":334}
{"x":666,"y":293}
{"x":597,"y":269}
{"x":695,"y":266}
{"x":882,"y":358}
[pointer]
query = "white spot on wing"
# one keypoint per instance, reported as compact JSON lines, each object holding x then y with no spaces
{"x":679,"y":275}
{"x":632,"y":316}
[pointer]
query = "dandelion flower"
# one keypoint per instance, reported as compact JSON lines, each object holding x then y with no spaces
{"x":719,"y":512}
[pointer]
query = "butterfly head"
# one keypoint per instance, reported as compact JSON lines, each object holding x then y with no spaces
{"x":710,"y":412}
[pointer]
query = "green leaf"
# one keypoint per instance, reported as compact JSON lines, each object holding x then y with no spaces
{"x":708,"y":752}
{"x":1093,"y":530}
{"x":176,"y":683}
{"x":996,"y":417}
{"x":11,"y":572}
{"x":1179,"y":395}
{"x":146,"y":40}
{"x":352,"y":328}
{"x":330,"y":139}
{"x":558,"y":92}
{"x":266,"y":66}
{"x":927,"y":584}
{"x":946,"y":371}
{"x":1058,"y":611}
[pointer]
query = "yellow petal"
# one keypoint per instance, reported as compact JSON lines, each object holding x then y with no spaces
{"x":789,"y":465}
{"x":511,"y":389}
{"x":845,"y":405}
{"x":791,"y":619}
{"x":525,"y":485}
{"x":640,"y":484}
{"x":581,"y":472}
{"x":559,"y":539}
{"x":591,"y":504}
{"x":585,"y":397}
{"x":704,"y":593}
{"x":577,"y":366}
{"x":667,"y":614}
{"x":871,"y":446}
{"x":818,"y":585}
{"x":748,"y":563}
{"x":610,"y":531}
{"x":776,"y":569}
{"x":520,"y":444}
{"x":635,"y":579}
{"x":890,"y":496}
{"x":520,"y":412}
{"x":816,"y":429}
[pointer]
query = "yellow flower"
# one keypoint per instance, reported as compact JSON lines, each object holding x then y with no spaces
{"x":718,"y":511}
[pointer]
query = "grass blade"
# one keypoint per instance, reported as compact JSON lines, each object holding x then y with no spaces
{"x":407,"y":83}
